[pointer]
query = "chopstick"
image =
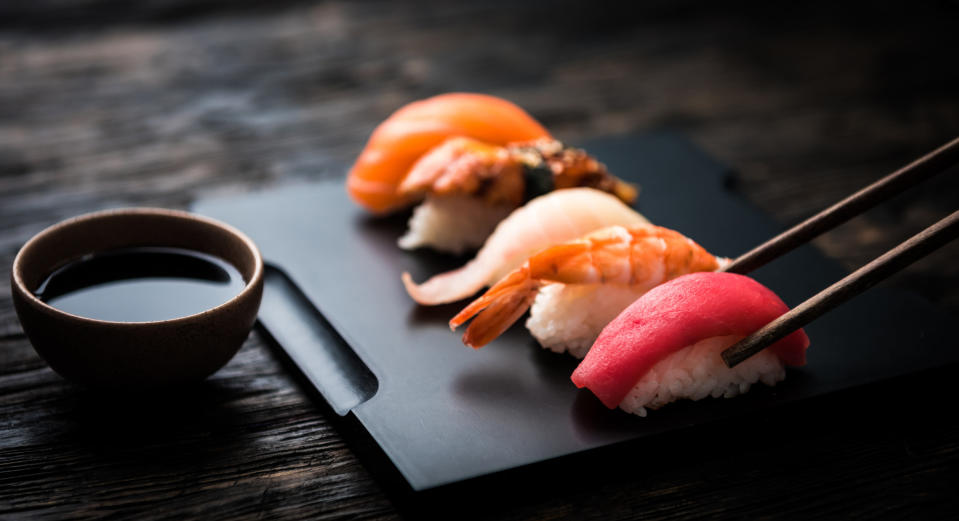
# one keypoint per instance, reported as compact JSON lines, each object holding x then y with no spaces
{"x":860,"y":280}
{"x":879,"y":191}
{"x":892,"y":261}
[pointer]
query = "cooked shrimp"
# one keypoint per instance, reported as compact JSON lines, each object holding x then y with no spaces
{"x":638,"y":257}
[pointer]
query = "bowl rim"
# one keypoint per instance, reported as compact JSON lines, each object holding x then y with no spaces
{"x":249,"y":288}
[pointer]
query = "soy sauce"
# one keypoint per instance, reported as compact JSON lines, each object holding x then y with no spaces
{"x":141,"y":284}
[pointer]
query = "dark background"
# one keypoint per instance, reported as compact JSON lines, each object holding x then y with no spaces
{"x":114,"y":103}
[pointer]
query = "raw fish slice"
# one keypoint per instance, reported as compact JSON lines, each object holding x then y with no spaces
{"x":418,"y":127}
{"x":676,"y":315}
{"x":546,"y":220}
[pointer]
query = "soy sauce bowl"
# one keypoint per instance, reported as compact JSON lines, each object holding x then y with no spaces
{"x":135,"y":355}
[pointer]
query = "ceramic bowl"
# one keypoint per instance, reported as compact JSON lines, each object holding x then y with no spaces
{"x":135,"y":355}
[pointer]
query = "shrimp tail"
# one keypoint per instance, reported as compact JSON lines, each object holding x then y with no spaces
{"x":498,"y":308}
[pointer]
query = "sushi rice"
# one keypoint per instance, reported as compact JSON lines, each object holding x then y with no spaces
{"x":452,"y":224}
{"x":698,"y":371}
{"x":569,"y":317}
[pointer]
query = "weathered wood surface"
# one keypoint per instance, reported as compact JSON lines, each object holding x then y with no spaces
{"x":106,"y":103}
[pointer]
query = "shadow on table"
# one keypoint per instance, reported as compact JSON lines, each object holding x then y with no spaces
{"x":148,"y":429}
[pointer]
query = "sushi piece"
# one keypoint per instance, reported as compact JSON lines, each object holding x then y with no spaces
{"x":666,"y":346}
{"x":468,"y":186}
{"x":471,"y":159}
{"x":577,"y":287}
{"x":549,"y":219}
{"x":399,"y":141}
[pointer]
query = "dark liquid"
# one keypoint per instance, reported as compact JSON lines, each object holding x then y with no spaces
{"x":141,"y":284}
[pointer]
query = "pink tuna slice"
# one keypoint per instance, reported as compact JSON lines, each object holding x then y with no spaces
{"x":673,"y":316}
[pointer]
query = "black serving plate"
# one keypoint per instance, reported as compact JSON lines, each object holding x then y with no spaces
{"x":443,"y":412}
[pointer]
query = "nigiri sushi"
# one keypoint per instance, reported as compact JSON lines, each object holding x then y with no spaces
{"x":414,"y":129}
{"x":471,"y":159}
{"x":666,"y":346}
{"x":549,"y":219}
{"x":577,"y":287}
{"x":468,"y":186}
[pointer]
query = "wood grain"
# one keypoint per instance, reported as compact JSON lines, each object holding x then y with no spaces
{"x":929,"y":165}
{"x":106,"y":103}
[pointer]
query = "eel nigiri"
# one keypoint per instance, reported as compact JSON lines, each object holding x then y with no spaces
{"x":666,"y":346}
{"x":471,"y":159}
{"x":468,"y":186}
{"x":546,"y":220}
{"x":577,"y":287}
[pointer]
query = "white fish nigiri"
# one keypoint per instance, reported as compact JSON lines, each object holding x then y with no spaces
{"x":546,"y":220}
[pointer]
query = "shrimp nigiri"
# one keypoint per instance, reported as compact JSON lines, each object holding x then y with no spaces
{"x":548,"y":219}
{"x":666,"y":346}
{"x":471,"y":159}
{"x":577,"y":287}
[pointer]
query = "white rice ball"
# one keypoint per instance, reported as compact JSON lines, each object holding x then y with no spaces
{"x":569,"y":317}
{"x":698,"y":371}
{"x":452,"y":224}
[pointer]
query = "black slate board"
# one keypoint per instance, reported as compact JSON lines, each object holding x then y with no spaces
{"x":443,"y":412}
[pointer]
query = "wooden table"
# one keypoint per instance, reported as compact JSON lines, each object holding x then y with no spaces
{"x":104,"y":104}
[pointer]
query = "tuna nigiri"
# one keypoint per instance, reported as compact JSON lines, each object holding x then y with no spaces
{"x":577,"y":287}
{"x":471,"y":159}
{"x":666,"y":346}
{"x":546,"y":220}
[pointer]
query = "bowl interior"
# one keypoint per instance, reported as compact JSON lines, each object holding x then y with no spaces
{"x":104,"y":231}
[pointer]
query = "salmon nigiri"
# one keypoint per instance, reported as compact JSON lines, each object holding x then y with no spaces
{"x":546,"y":220}
{"x":577,"y":287}
{"x":471,"y":159}
{"x":413,"y":130}
{"x":666,"y":346}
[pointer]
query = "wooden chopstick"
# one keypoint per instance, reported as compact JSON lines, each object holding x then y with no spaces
{"x":889,"y":186}
{"x":892,"y":261}
{"x":860,"y":280}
